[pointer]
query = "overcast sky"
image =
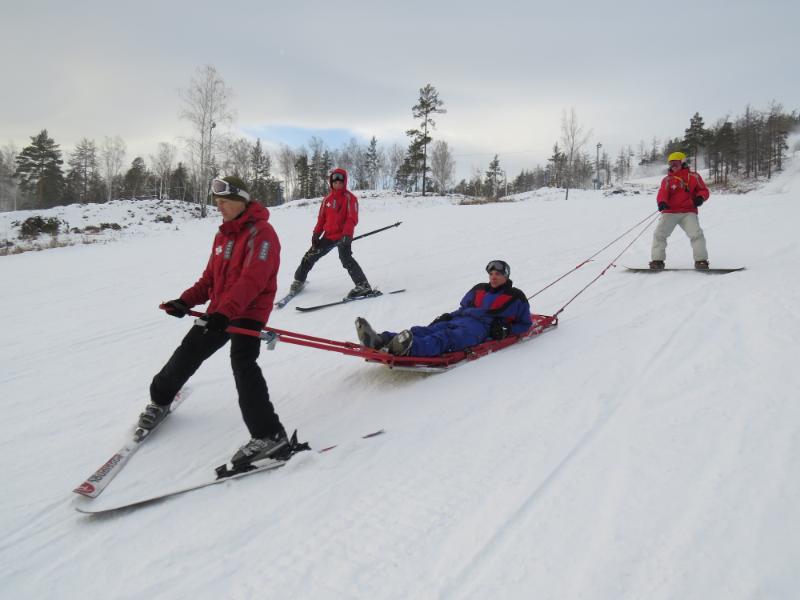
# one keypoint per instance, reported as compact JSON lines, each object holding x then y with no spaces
{"x":506,"y":70}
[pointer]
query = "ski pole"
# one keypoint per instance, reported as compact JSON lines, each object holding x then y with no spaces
{"x":363,"y":235}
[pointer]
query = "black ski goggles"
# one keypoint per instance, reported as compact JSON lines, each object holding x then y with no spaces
{"x":220,"y":187}
{"x":337,"y":177}
{"x":500,"y":266}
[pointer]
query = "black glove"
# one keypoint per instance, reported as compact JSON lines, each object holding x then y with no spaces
{"x":662,"y":206}
{"x":176,"y":308}
{"x":698,"y":200}
{"x":315,"y":238}
{"x":441,"y":318}
{"x":499,"y":330}
{"x":346,"y":239}
{"x":217,"y":322}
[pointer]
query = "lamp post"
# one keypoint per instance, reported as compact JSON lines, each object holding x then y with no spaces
{"x":597,"y":166}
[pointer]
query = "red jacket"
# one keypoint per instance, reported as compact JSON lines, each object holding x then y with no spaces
{"x":338,"y":213}
{"x":678,"y":190}
{"x":241,"y":276}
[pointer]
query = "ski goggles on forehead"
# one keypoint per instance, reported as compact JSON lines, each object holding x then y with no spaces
{"x":337,"y":177}
{"x":220,"y":187}
{"x":500,"y":266}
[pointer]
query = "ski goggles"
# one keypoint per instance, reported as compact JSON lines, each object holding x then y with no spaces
{"x":500,"y":266}
{"x":220,"y":187}
{"x":337,"y":177}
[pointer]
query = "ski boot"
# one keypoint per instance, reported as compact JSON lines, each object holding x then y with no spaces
{"x":401,"y":343}
{"x":361,"y":289}
{"x":153,"y":415}
{"x":368,"y":337}
{"x":273,"y":446}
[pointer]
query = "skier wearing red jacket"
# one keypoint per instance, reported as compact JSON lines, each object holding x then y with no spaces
{"x":240,"y":281}
{"x":682,"y":192}
{"x":336,"y":222}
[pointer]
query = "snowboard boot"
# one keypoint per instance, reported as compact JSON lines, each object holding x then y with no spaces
{"x":401,"y":343}
{"x":656,"y":265}
{"x":153,"y":415}
{"x":361,"y":289}
{"x":273,"y":446}
{"x":367,"y":336}
{"x":701,"y":265}
{"x":296,"y":286}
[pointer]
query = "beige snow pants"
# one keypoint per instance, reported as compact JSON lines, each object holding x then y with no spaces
{"x":690,"y":225}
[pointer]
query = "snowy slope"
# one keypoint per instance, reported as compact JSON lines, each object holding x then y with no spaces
{"x":94,"y":223}
{"x":647,"y":448}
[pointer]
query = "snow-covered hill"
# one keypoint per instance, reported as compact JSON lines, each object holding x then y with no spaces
{"x":647,"y":448}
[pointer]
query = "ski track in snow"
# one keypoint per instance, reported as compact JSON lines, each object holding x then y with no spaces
{"x":648,"y":447}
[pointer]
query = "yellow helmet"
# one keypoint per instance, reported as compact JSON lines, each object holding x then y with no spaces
{"x":676,"y":156}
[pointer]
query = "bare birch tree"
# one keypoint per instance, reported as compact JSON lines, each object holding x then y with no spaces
{"x":573,"y":138}
{"x":237,"y":162}
{"x":286,"y":160}
{"x":206,"y":106}
{"x":442,"y":166}
{"x":394,"y":160}
{"x":162,"y":166}
{"x":8,"y":185}
{"x":112,"y":156}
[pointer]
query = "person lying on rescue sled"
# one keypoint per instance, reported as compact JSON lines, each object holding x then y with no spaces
{"x":492,"y":310}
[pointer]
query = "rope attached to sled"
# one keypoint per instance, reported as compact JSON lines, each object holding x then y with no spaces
{"x":612,"y":263}
{"x":549,"y":285}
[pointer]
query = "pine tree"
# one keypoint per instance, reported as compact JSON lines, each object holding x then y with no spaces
{"x":83,"y":178}
{"x":724,"y":152}
{"x":136,"y":178}
{"x":303,"y":173}
{"x":493,"y":178}
{"x":39,"y":171}
{"x":180,"y":182}
{"x":555,"y":169}
{"x":427,"y":105}
{"x":262,"y":185}
{"x":413,"y":163}
{"x":372,"y":164}
{"x":696,"y":137}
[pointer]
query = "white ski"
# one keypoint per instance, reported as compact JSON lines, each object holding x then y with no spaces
{"x":99,"y":480}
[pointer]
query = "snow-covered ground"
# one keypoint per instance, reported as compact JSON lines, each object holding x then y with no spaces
{"x":649,"y":447}
{"x":94,"y":223}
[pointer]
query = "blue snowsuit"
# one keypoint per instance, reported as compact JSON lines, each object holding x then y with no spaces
{"x":469,"y":325}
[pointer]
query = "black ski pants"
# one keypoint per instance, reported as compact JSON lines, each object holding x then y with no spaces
{"x":198,"y":345}
{"x":321,"y":249}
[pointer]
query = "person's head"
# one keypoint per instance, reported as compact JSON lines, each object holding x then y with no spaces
{"x":231,"y":196}
{"x":338,"y":179}
{"x":675,"y":161}
{"x":499,"y":272}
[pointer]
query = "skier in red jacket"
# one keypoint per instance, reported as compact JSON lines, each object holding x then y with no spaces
{"x":682,"y":192}
{"x":336,"y":222}
{"x":240,"y":280}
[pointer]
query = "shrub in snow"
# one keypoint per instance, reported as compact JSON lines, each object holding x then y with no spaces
{"x":32,"y":227}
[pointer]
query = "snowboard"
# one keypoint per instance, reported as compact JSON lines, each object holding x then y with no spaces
{"x":706,"y":271}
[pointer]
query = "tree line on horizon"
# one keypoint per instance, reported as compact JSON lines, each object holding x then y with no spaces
{"x":39,"y":176}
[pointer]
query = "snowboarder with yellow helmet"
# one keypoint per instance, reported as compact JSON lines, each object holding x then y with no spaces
{"x":682,"y":191}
